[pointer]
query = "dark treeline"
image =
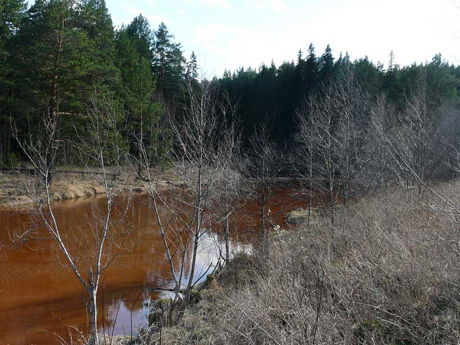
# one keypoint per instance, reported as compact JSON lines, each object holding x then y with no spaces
{"x":274,"y":94}
{"x":59,"y":56}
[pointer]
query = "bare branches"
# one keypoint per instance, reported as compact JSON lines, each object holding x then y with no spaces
{"x":264,"y":166}
{"x":205,"y":144}
{"x":332,"y":138}
{"x":105,"y":151}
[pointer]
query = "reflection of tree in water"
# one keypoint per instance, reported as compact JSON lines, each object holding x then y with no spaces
{"x":52,"y":296}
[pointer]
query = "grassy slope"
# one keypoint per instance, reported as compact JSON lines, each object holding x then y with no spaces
{"x":388,"y":272}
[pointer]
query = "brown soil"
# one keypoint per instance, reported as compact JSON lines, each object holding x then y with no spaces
{"x":15,"y":188}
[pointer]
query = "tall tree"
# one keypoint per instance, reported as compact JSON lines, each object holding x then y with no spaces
{"x":286,"y":103}
{"x":66,"y":50}
{"x":192,"y":67}
{"x":11,"y":14}
{"x":95,"y":20}
{"x":326,"y":63}
{"x":135,"y":57}
{"x":310,"y":71}
{"x":168,"y":64}
{"x":141,"y":35}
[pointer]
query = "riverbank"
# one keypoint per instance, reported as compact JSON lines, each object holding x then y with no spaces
{"x":387,"y":271}
{"x":15,"y":188}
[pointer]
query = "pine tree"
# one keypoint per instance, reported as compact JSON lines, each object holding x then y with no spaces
{"x":326,"y":63}
{"x":67,"y":51}
{"x":298,"y":78}
{"x":310,"y":72}
{"x":366,"y":74}
{"x":95,"y":20}
{"x":192,"y":68}
{"x":286,"y":103}
{"x":168,"y":65}
{"x":391,"y":83}
{"x":11,"y":14}
{"x":141,"y":35}
{"x":134,"y":60}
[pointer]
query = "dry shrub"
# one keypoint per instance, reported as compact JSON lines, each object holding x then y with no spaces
{"x":387,"y":272}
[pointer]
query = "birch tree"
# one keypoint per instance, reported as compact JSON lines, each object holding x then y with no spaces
{"x":264,"y":168}
{"x":204,"y":146}
{"x":103,"y":241}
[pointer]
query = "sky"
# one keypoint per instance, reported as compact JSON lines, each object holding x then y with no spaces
{"x":228,"y":34}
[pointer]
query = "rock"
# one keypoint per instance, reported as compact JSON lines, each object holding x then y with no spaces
{"x":158,"y":314}
{"x":297,"y":217}
{"x":116,"y":340}
{"x":210,"y":283}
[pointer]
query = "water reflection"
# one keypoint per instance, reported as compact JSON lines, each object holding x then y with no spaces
{"x":39,"y":298}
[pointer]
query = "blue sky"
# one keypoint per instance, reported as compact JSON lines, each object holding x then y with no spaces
{"x":227,"y":34}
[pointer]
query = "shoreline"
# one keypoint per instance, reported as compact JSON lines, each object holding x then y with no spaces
{"x":14,"y":187}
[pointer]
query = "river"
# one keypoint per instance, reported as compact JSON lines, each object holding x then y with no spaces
{"x":41,"y":300}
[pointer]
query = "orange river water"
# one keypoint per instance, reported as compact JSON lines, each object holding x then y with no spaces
{"x":41,"y":300}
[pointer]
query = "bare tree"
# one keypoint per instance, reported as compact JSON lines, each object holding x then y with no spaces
{"x":228,"y":200}
{"x":353,"y":108}
{"x":205,"y":144}
{"x":412,"y":138}
{"x":324,"y":145}
{"x":305,"y":154}
{"x":333,"y":126}
{"x":100,"y":148}
{"x":264,"y":165}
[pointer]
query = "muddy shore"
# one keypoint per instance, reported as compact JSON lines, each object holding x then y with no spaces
{"x":16,"y":189}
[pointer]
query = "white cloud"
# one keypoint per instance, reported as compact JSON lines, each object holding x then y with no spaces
{"x":180,"y":11}
{"x":150,"y":3}
{"x":218,"y":3}
{"x":132,"y":10}
{"x":157,"y":19}
{"x":232,"y":46}
{"x":275,"y":5}
{"x":279,"y":5}
{"x":210,"y":3}
{"x":152,"y":18}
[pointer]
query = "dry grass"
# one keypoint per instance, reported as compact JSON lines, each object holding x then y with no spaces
{"x":74,"y":182}
{"x":387,"y":272}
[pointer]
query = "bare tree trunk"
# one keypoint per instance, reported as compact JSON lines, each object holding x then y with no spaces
{"x":310,"y":183}
{"x":197,"y":235}
{"x":94,"y":339}
{"x":227,"y":240}
{"x":331,"y":199}
{"x":141,"y":145}
{"x":97,"y":142}
{"x":262,"y":211}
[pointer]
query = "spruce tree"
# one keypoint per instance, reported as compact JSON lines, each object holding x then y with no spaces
{"x":141,"y":35}
{"x":326,"y":63}
{"x":168,"y":65}
{"x":67,"y":52}
{"x":11,"y":14}
{"x":192,"y":68}
{"x":135,"y":62}
{"x":310,"y":71}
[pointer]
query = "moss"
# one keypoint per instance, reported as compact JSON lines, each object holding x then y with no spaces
{"x":195,"y":296}
{"x":297,"y":217}
{"x":163,"y":302}
{"x":197,"y":335}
